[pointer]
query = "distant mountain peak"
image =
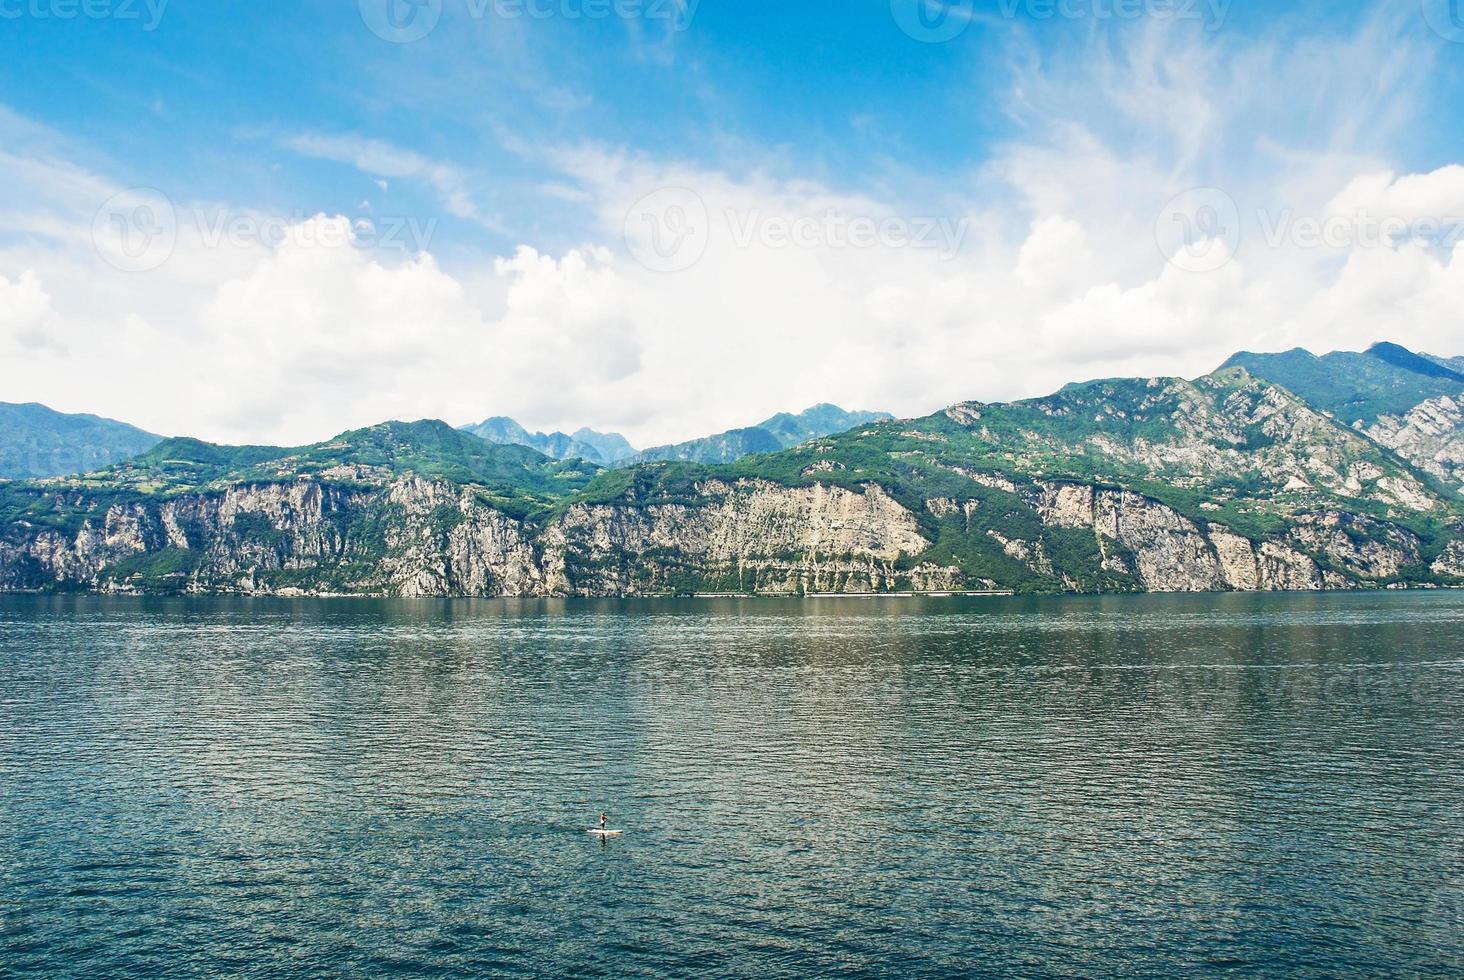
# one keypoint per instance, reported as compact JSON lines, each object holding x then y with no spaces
{"x":1404,"y":358}
{"x":781,"y":431}
{"x":600,"y":448}
{"x":37,"y":442}
{"x":1385,"y":380}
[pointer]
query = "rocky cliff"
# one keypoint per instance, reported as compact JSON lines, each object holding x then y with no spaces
{"x":1225,"y":483}
{"x":1430,"y":436}
{"x":419,"y":537}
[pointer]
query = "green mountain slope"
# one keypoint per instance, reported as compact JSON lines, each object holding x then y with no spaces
{"x":1227,"y":482}
{"x":724,"y":447}
{"x":1246,"y":448}
{"x":434,"y":450}
{"x":515,"y":479}
{"x":1357,"y":388}
{"x":820,"y":420}
{"x":38,"y":442}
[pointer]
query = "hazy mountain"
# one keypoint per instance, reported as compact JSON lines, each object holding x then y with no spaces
{"x":1228,"y":482}
{"x":779,"y":432}
{"x":724,"y":447}
{"x":1452,"y":363}
{"x":37,"y":442}
{"x":600,"y":448}
{"x":820,"y":420}
{"x":612,"y":446}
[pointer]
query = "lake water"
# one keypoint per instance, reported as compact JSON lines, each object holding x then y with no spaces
{"x":1149,"y":786}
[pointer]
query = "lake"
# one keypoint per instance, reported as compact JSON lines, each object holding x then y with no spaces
{"x":1148,"y":786}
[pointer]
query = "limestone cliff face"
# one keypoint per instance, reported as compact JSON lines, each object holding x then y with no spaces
{"x":749,"y":535}
{"x":1168,"y":552}
{"x":412,"y":536}
{"x":1430,"y":437}
{"x":417,"y":537}
{"x":1451,"y":563}
{"x":759,"y":536}
{"x":441,"y":541}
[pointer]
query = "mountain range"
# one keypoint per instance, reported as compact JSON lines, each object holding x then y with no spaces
{"x":1359,"y":389}
{"x":600,"y":448}
{"x":37,"y":442}
{"x":1274,"y":472}
{"x":1408,"y":402}
{"x":611,"y":449}
{"x":769,"y":436}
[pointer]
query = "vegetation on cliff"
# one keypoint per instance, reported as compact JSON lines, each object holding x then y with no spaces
{"x":1228,"y":481}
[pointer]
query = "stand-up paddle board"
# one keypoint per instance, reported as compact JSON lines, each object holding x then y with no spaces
{"x":606,"y":833}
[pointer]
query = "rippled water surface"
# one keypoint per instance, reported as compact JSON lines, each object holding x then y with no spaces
{"x":1147,"y":786}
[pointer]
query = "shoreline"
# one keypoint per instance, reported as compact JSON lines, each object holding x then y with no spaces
{"x":701,"y":596}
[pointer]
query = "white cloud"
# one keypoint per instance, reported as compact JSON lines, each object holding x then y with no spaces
{"x":25,"y":314}
{"x":1054,"y":275}
{"x":1054,"y":256}
{"x":1438,"y":195}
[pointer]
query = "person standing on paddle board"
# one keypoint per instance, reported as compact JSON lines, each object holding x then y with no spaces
{"x":604,"y":819}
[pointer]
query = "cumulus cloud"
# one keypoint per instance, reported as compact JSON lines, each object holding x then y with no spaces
{"x":1435,"y":199}
{"x":1040,"y":268}
{"x":25,"y":314}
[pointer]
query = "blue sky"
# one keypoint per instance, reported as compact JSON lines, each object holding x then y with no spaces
{"x":1045,"y":144}
{"x":199,"y":105}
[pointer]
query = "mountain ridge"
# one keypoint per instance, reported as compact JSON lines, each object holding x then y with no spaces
{"x":1225,"y":482}
{"x":37,"y":442}
{"x":1452,"y":363}
{"x":777,"y":432}
{"x":1411,"y":403}
{"x":1357,"y":387}
{"x":600,"y":448}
